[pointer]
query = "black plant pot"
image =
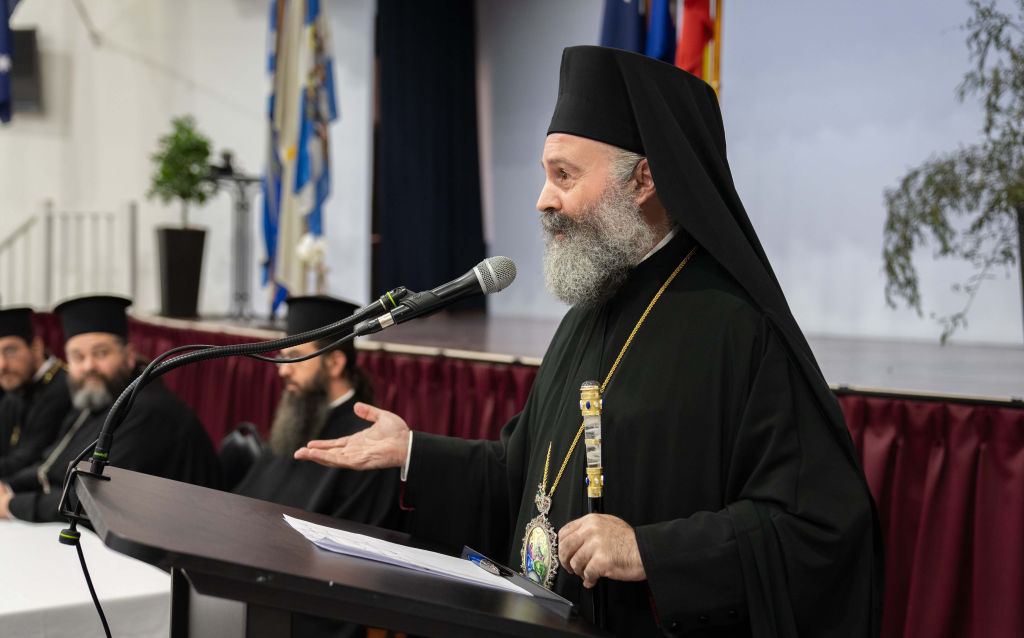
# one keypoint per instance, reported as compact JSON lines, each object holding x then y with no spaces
{"x":181,"y":267}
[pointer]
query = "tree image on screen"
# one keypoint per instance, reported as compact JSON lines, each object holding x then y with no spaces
{"x":970,"y":201}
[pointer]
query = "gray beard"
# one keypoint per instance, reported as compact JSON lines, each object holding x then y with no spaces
{"x":601,"y":245}
{"x":300,"y":418}
{"x":97,"y":400}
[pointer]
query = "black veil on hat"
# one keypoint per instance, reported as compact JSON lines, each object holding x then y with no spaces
{"x":95,"y":313}
{"x":317,"y":311}
{"x":17,"y":322}
{"x":673,"y":118}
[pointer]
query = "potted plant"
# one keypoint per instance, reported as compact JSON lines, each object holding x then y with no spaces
{"x":182,"y":173}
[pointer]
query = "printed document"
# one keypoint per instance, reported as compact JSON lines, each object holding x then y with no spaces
{"x":342,"y":542}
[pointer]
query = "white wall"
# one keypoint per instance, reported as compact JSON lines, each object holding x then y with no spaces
{"x":106,"y":106}
{"x":520,"y":44}
{"x":825,"y":104}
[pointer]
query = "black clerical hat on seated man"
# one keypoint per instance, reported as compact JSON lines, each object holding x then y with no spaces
{"x":95,"y":313}
{"x":17,"y":322}
{"x":317,"y":311}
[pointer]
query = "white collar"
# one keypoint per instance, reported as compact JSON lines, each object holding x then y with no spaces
{"x":343,"y":398}
{"x":43,"y":368}
{"x":661,"y":244}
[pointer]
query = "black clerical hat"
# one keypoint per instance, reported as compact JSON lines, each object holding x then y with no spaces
{"x":310,"y":313}
{"x":17,"y":322}
{"x":593,"y":100}
{"x":97,"y":313}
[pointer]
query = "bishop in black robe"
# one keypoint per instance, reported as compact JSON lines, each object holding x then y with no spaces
{"x":364,"y":497}
{"x":724,"y":450}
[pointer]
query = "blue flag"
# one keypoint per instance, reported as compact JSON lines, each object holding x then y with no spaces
{"x":661,"y":32}
{"x":623,"y":26}
{"x":6,"y":47}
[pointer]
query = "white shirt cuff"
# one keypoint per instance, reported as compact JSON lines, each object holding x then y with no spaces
{"x":408,"y":455}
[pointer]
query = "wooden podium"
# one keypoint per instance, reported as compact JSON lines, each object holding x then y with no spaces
{"x":222,"y":547}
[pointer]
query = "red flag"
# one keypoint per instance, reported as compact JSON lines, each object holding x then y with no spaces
{"x":698,"y":30}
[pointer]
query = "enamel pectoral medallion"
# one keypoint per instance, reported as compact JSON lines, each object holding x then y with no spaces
{"x":540,"y":545}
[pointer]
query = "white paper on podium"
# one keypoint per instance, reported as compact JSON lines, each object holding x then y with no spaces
{"x":342,"y":542}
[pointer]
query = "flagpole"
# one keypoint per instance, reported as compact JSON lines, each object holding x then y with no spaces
{"x":715,"y":84}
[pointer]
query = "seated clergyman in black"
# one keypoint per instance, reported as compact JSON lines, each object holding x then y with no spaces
{"x":160,"y":436}
{"x":35,"y":399}
{"x":735,"y":503}
{"x":317,"y":403}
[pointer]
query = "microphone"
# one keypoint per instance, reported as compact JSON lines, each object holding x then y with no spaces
{"x":491,"y":275}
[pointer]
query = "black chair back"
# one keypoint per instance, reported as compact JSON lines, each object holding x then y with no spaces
{"x":240,"y":449}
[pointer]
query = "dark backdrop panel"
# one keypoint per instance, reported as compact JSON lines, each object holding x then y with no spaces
{"x":427,"y":173}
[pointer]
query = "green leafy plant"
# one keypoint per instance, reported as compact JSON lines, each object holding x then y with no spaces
{"x":970,"y":201}
{"x":182,"y":167}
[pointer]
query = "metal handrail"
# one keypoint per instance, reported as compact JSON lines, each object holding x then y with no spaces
{"x":18,"y":232}
{"x":72,"y":262}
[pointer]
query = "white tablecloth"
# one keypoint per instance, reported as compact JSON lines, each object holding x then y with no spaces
{"x":43,"y":592}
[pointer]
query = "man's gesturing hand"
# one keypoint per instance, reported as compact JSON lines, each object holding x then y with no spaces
{"x":600,"y":546}
{"x":383,"y":444}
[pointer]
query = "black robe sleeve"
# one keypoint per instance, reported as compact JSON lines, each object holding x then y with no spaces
{"x":42,"y":421}
{"x":24,"y":479}
{"x":489,"y":471}
{"x":787,"y":547}
{"x":29,"y":502}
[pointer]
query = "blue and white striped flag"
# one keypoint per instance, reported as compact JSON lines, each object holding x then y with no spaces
{"x":300,"y":107}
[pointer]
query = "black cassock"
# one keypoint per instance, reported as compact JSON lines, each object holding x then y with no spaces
{"x":161,"y":436}
{"x":747,"y":513}
{"x":30,"y":419}
{"x":363,"y":497}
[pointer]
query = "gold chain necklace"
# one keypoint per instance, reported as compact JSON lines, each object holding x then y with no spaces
{"x":540,"y":545}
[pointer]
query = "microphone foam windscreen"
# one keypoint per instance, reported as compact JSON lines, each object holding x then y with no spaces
{"x":496,"y":273}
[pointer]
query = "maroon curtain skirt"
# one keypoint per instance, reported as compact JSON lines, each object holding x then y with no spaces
{"x":947,"y":475}
{"x":948,"y":479}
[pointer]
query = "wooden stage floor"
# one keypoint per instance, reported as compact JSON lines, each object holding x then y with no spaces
{"x":995,"y":371}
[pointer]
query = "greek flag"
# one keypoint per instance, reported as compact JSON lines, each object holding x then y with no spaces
{"x":300,"y":106}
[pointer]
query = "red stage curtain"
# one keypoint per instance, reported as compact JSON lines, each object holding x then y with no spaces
{"x":948,"y":479}
{"x":948,"y":476}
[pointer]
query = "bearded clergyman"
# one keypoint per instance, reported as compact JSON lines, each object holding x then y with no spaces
{"x":317,"y":403}
{"x":160,"y":436}
{"x":734,"y":502}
